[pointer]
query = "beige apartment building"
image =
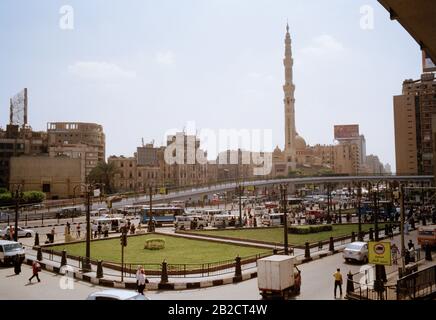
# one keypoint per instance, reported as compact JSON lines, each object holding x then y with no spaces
{"x":55,"y":176}
{"x":413,"y":112}
{"x":148,"y":167}
{"x":88,"y":156}
{"x":65,"y":133}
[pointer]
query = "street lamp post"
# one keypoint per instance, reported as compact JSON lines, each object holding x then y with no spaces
{"x":240,"y":190}
{"x":87,"y":265}
{"x":18,"y":196}
{"x":328,"y":201}
{"x":359,"y":216}
{"x":403,"y":246}
{"x":150,"y":216}
{"x":89,"y":188}
{"x":284,"y":193}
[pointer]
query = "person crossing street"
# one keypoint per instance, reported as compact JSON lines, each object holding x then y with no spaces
{"x":338,"y":281}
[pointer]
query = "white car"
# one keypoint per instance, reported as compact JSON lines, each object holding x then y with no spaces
{"x":116,"y":294}
{"x":21,"y":232}
{"x":9,"y":250}
{"x":356,"y":251}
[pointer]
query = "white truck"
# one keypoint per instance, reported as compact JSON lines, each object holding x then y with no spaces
{"x":278,"y":277}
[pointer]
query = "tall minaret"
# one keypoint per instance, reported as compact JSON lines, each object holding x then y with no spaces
{"x":289,"y":101}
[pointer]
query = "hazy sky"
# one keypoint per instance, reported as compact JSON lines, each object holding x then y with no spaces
{"x":140,"y":67}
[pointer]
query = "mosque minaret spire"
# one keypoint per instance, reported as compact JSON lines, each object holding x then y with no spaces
{"x":289,"y":102}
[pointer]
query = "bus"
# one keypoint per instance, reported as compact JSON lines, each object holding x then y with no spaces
{"x":161,"y":215}
{"x":427,"y":235}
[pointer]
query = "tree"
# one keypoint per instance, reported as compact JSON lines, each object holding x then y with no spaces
{"x":104,"y":173}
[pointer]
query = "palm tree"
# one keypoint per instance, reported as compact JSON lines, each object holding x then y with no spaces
{"x":104,"y":173}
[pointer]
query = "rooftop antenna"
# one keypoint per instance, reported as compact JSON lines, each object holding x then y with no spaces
{"x":142,"y":139}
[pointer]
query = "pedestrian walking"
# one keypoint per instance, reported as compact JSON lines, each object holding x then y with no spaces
{"x":132,"y":229}
{"x":94,"y":231}
{"x":412,"y":254}
{"x":394,"y":252}
{"x":11,"y":233}
{"x":410,"y":245}
{"x":36,"y":268}
{"x":141,"y":280}
{"x":106,"y":230}
{"x":338,"y":281}
{"x":68,"y":228}
{"x":78,"y":230}
{"x":17,"y":264}
{"x":99,"y":230}
{"x":53,"y":233}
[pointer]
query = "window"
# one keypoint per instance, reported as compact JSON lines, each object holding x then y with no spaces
{"x":46,"y":187}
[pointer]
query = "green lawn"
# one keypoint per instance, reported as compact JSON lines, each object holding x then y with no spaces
{"x":276,"y":234}
{"x":177,"y":250}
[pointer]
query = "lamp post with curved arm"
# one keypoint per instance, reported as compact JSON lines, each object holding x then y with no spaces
{"x":89,"y":188}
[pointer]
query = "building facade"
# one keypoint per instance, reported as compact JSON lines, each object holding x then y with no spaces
{"x":64,"y":134}
{"x":16,"y":141}
{"x":55,"y":176}
{"x":413,"y":112}
{"x":166,"y":166}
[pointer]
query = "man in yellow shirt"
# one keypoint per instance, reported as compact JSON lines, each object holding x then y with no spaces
{"x":338,"y":281}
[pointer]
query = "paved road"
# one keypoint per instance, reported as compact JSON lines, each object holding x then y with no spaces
{"x":317,"y":284}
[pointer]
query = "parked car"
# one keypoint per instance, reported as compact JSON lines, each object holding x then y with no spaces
{"x":116,"y":294}
{"x":99,"y":212}
{"x":4,"y":216}
{"x":356,"y":251}
{"x":9,"y":250}
{"x":69,"y":212}
{"x":21,"y":232}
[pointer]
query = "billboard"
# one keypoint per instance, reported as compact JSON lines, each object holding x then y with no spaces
{"x":18,"y":108}
{"x":379,"y":253}
{"x":347,"y":131}
{"x":427,"y":63}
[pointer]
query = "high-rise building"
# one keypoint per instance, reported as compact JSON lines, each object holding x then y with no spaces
{"x":413,"y":112}
{"x":349,"y":134}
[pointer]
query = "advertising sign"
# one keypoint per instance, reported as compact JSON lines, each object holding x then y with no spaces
{"x":346,"y":131}
{"x":379,"y":253}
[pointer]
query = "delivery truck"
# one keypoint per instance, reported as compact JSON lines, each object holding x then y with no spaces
{"x":278,"y":277}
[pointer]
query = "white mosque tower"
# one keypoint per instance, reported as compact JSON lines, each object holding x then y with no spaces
{"x":289,"y":101}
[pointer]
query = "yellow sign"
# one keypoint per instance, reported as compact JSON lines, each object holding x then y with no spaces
{"x":379,"y":253}
{"x":162,"y":191}
{"x":250,"y":188}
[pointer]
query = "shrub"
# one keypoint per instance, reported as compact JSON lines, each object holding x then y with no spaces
{"x":5,"y":199}
{"x":3,"y":190}
{"x":310,"y":229}
{"x":154,"y":244}
{"x":34,"y":196}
